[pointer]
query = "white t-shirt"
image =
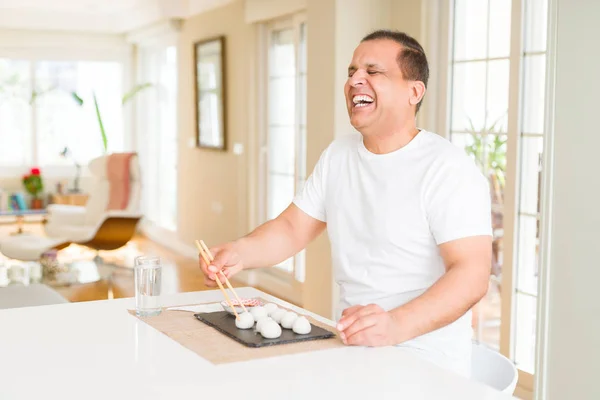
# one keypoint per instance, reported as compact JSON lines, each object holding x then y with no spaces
{"x":386,"y":215}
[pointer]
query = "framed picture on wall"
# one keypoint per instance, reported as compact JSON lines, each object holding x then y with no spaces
{"x":209,"y":87}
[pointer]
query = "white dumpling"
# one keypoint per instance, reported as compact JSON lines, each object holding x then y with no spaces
{"x":278,"y":314}
{"x":258,"y":312}
{"x":245,"y":321}
{"x":288,"y":319}
{"x":271,"y":307}
{"x":261,"y":322}
{"x":301,"y":326}
{"x":270,"y":330}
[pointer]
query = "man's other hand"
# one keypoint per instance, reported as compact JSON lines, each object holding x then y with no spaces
{"x":368,"y":325}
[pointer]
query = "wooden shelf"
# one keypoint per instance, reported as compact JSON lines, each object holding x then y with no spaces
{"x":73,"y":199}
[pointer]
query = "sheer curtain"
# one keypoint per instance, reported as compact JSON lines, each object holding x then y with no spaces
{"x":15,"y":113}
{"x":157,"y":134}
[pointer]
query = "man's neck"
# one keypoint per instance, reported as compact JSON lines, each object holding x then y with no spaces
{"x":391,"y":140}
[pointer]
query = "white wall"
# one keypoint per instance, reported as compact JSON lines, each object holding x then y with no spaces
{"x":573,"y":351}
{"x":32,"y":44}
{"x":263,"y":10}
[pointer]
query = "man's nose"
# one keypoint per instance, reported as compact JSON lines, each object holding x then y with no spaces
{"x":357,"y":79}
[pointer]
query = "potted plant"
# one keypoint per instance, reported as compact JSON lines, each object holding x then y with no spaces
{"x":488,"y":148}
{"x":34,"y":185}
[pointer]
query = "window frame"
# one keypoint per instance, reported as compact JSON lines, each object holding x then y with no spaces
{"x":281,"y":283}
{"x":438,"y":37}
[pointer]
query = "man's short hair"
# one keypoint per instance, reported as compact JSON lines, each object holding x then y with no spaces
{"x":411,"y":59}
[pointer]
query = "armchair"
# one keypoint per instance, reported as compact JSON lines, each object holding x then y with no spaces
{"x":109,"y":219}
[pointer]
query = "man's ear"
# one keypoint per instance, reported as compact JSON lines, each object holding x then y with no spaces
{"x":417,"y":91}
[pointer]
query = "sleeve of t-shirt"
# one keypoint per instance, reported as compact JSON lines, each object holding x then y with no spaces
{"x":311,"y":198}
{"x":458,"y":202}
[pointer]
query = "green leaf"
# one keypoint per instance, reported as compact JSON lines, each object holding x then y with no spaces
{"x":104,"y":139}
{"x":488,"y":147}
{"x":35,"y":94}
{"x":77,"y":99}
{"x":136,"y":89}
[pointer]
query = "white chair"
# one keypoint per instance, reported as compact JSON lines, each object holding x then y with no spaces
{"x":100,"y":224}
{"x":493,"y":369}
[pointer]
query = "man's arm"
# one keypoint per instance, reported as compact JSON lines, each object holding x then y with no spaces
{"x":268,"y":245}
{"x":468,"y":263}
{"x":278,"y":239}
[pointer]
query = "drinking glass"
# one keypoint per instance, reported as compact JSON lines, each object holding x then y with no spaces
{"x":148,"y":282}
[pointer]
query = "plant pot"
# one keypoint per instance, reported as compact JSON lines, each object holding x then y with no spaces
{"x":37,"y":204}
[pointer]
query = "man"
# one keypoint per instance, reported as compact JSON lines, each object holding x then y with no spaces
{"x":407,"y":214}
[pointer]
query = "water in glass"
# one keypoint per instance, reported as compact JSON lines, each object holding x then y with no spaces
{"x":148,"y":281}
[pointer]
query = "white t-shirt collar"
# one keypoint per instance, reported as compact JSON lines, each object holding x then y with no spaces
{"x":366,"y":153}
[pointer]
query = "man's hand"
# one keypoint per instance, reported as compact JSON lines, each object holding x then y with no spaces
{"x":368,"y":326}
{"x":226,"y":259}
{"x":269,"y":244}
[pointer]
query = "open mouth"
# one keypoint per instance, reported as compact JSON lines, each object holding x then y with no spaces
{"x":362,"y":100}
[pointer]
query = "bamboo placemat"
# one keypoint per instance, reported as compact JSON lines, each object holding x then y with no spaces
{"x":217,"y":348}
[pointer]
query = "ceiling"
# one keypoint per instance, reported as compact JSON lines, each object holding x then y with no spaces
{"x":101,"y":16}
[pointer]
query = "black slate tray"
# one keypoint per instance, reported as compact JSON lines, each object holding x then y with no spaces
{"x":225,"y":323}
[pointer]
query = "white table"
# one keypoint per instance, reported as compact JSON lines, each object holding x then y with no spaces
{"x":96,"y":350}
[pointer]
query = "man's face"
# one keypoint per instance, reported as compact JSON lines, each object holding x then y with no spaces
{"x":377,"y":95}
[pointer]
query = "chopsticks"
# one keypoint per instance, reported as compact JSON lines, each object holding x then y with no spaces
{"x":208,"y":258}
{"x":206,"y":249}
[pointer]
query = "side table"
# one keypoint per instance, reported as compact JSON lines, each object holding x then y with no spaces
{"x":20,"y":215}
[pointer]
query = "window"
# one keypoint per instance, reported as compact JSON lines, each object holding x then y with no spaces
{"x":479,"y":119}
{"x":496,"y":114}
{"x":39,"y":115}
{"x":284,"y":144}
{"x":60,"y":122}
{"x":157,"y":143}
